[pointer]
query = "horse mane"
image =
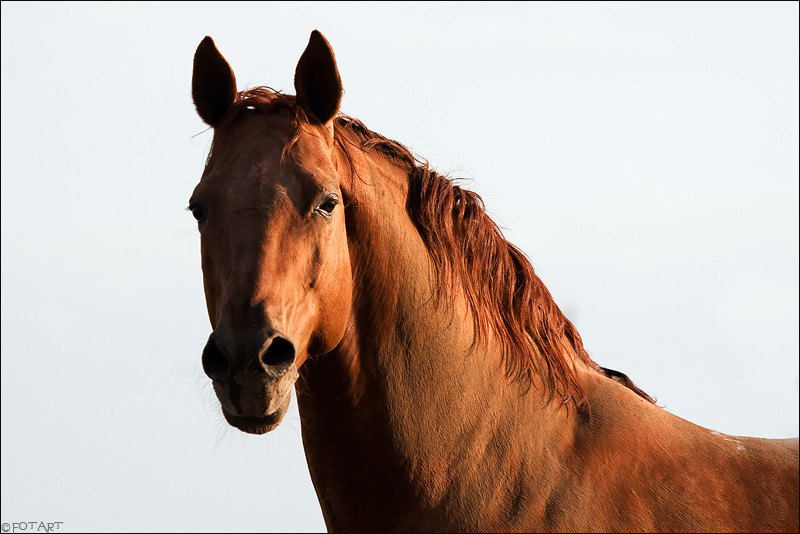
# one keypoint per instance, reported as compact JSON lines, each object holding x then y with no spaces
{"x":505,"y":296}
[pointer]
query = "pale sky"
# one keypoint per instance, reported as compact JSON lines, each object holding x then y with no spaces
{"x":644,"y":157}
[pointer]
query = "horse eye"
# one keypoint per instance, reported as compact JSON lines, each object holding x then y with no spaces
{"x":198,"y":213}
{"x":328,"y":205}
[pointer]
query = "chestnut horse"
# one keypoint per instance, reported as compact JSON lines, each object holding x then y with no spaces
{"x":440,"y":388}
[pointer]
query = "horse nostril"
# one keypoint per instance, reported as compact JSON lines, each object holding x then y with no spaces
{"x":279,"y":355}
{"x":215,"y":364}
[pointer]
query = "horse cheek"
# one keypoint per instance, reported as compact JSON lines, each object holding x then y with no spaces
{"x":210,"y":288}
{"x":334,"y":294}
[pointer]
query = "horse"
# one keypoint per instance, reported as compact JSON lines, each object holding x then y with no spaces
{"x":439,"y":386}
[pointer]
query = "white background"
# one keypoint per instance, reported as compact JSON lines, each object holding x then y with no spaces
{"x":644,"y":156}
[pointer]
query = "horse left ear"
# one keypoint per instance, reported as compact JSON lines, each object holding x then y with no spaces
{"x":316,"y":80}
{"x":213,"y":83}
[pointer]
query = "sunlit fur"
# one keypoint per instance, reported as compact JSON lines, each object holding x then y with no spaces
{"x":450,"y":393}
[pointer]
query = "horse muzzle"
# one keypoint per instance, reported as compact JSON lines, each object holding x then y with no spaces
{"x":253,"y":386}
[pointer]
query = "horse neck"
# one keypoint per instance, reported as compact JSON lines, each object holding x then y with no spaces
{"x":407,"y":426}
{"x":407,"y":395}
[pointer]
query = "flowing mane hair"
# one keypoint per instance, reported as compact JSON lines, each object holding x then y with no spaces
{"x":507,"y":299}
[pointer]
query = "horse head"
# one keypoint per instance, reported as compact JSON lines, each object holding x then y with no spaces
{"x":269,"y":209}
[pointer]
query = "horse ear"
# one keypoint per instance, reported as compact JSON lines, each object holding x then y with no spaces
{"x":316,"y":80}
{"x":213,"y":83}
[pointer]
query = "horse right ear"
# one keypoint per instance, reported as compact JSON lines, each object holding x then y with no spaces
{"x":213,"y":83}
{"x":316,"y":80}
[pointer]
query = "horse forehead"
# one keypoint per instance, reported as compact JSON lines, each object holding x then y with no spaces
{"x":271,"y":150}
{"x":309,"y":154}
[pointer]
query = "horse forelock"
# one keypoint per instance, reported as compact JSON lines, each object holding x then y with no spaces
{"x":505,"y":296}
